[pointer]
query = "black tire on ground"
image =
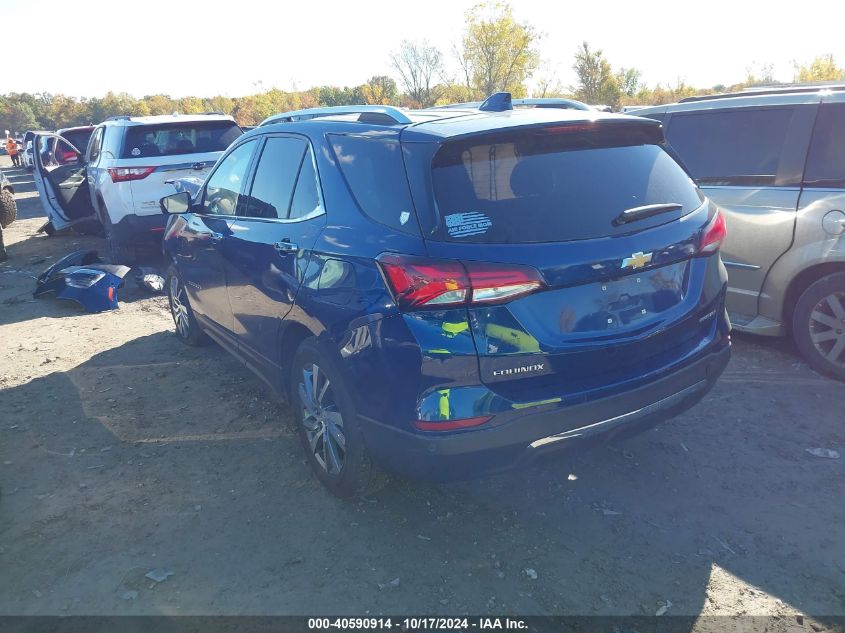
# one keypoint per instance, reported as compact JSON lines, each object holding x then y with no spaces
{"x":818,"y":325}
{"x":8,"y":208}
{"x":119,"y":251}
{"x":187,"y":329}
{"x":358,"y":475}
{"x":48,"y":228}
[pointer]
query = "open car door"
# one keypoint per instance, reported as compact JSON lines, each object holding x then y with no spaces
{"x":62,"y":186}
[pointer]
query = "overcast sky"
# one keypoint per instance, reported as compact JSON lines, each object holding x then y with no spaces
{"x":180,"y":48}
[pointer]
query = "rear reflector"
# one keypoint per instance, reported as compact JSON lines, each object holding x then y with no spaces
{"x":123,"y":174}
{"x":713,"y":235}
{"x":451,"y":425}
{"x":420,"y":283}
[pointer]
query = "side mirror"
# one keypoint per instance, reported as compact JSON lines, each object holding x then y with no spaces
{"x":176,"y":203}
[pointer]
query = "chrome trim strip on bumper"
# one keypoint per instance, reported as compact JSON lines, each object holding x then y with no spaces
{"x":604,"y":425}
{"x":738,"y":265}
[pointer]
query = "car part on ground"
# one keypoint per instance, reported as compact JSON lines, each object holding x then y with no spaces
{"x":83,"y":277}
{"x":149,"y":279}
{"x":773,"y":160}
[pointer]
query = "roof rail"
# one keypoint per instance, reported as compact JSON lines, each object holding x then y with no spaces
{"x":544,"y":102}
{"x":312,"y":113}
{"x":119,"y":117}
{"x":768,"y":90}
{"x":567,"y":104}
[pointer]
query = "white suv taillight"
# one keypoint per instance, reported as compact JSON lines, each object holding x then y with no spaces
{"x":122,"y":174}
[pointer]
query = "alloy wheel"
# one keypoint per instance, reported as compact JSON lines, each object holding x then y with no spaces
{"x":322,"y":420}
{"x":179,"y":307}
{"x":827,"y":328}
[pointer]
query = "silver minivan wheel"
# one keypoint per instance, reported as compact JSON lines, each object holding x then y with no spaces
{"x":818,"y":325}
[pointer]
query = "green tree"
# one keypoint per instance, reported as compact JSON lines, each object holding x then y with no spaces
{"x":19,"y":117}
{"x":497,"y":53}
{"x":336,"y":96}
{"x":628,"y":80}
{"x":596,"y":82}
{"x":822,"y":68}
{"x":379,"y":90}
{"x":159,"y":104}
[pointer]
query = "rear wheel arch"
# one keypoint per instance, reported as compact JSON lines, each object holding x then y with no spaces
{"x":801,"y":282}
{"x":292,"y":336}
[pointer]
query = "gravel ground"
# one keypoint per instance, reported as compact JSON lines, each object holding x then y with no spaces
{"x":123,"y":451}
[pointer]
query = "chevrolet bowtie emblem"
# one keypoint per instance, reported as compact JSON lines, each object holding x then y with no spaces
{"x":636,"y":260}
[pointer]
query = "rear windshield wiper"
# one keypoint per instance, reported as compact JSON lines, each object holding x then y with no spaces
{"x":640,"y":213}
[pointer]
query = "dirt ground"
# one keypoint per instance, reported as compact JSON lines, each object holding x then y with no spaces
{"x":123,"y":451}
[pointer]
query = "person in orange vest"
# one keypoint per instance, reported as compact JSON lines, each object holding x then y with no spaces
{"x":12,"y":149}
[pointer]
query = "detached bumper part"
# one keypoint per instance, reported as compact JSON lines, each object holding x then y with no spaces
{"x":82,"y":277}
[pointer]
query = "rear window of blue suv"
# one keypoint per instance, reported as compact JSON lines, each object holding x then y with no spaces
{"x":553,"y":185}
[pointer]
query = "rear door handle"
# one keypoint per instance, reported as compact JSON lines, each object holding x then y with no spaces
{"x":285,"y":246}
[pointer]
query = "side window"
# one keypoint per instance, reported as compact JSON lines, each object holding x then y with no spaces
{"x":223,"y":189}
{"x":275,"y":176}
{"x":95,"y":145}
{"x":826,"y":159}
{"x":741,"y":147}
{"x":374,"y":169}
{"x":306,"y":199}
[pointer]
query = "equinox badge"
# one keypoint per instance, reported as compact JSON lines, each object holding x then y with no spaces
{"x":525,"y":369}
{"x":637,"y":260}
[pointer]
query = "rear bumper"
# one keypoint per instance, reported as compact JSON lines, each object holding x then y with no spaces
{"x":140,"y":229}
{"x":533,"y":432}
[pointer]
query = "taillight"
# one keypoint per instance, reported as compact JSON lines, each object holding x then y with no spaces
{"x":419,"y":283}
{"x":122,"y":174}
{"x":713,"y":235}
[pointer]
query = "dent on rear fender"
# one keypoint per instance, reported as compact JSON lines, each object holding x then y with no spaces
{"x":442,"y":333}
{"x":828,"y":250}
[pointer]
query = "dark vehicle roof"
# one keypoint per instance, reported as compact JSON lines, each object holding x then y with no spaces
{"x":80,"y":128}
{"x":439,"y":125}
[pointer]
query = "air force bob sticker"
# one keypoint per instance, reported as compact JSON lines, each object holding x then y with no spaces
{"x":466,"y":224}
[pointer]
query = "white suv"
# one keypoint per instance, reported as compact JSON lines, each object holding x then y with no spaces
{"x":130,"y":160}
{"x":126,"y":169}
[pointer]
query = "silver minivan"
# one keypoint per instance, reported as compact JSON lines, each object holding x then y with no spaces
{"x":774,"y":161}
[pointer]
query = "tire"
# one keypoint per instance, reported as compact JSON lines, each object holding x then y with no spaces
{"x":187,"y":329}
{"x":342,"y":464}
{"x":818,"y":325}
{"x":8,"y":208}
{"x":119,"y":251}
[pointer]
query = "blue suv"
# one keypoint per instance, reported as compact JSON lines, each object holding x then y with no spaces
{"x":454,"y":291}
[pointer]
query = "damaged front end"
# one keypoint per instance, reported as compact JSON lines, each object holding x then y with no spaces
{"x":83,"y":277}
